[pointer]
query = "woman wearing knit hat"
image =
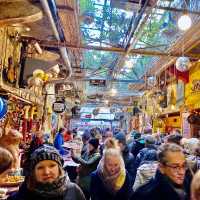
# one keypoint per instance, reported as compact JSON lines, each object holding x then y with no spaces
{"x":87,"y":165}
{"x":47,"y":179}
{"x":110,"y":180}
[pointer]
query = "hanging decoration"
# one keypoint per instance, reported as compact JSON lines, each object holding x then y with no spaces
{"x":183,"y":63}
{"x":38,"y":73}
{"x":184,"y":76}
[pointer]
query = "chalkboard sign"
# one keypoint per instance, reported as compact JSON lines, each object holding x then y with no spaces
{"x":58,"y":106}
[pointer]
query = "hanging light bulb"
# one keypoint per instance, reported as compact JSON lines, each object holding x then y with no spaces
{"x":113,"y":92}
{"x":173,"y":107}
{"x":184,"y":22}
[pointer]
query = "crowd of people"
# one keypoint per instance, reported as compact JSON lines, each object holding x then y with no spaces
{"x":112,"y":166}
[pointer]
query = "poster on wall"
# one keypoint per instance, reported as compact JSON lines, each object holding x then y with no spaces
{"x":185,"y":125}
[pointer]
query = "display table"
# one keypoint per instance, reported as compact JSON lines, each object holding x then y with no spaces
{"x":10,"y":190}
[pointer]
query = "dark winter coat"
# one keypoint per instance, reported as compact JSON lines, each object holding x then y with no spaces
{"x":129,"y":163}
{"x":136,"y":147}
{"x":140,"y":156}
{"x":159,"y":188}
{"x":73,"y":192}
{"x":98,"y":190}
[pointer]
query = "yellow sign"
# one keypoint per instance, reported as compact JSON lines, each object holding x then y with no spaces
{"x":192,"y":89}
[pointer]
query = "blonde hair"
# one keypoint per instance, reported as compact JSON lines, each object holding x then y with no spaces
{"x":111,"y":143}
{"x":195,"y":186}
{"x":113,"y":152}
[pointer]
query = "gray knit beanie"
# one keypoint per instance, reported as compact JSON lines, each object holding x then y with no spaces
{"x":45,"y":152}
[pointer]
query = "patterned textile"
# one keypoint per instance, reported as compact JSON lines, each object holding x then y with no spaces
{"x":45,"y":152}
{"x":59,"y":186}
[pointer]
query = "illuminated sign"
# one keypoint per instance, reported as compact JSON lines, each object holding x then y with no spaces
{"x":98,"y":82}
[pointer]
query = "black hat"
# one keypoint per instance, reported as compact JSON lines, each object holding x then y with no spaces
{"x":94,"y":142}
{"x":45,"y":152}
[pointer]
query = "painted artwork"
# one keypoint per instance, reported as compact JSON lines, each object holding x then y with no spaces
{"x":10,"y":72}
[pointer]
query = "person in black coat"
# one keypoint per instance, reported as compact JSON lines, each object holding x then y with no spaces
{"x":110,"y":181}
{"x":149,"y":145}
{"x":170,"y":181}
{"x":128,"y":157}
{"x":137,"y":144}
{"x":46,"y":179}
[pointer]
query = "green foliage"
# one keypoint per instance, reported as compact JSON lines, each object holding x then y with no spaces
{"x":153,"y":31}
{"x":98,"y":59}
{"x":87,"y":5}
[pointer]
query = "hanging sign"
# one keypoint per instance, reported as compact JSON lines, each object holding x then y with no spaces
{"x":98,"y":82}
{"x":58,"y":106}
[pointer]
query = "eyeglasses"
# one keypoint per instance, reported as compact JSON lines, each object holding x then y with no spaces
{"x":176,"y":167}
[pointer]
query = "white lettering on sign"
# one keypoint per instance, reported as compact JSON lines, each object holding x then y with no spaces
{"x":58,"y":107}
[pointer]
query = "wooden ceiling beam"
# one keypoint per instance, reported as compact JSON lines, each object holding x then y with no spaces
{"x":65,"y":7}
{"x":47,"y":43}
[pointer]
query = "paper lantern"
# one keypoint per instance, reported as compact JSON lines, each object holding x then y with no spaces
{"x":183,"y":64}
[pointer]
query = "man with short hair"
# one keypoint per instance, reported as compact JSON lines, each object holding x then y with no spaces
{"x":170,"y":182}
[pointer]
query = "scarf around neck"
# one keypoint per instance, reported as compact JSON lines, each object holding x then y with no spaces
{"x":113,"y":183}
{"x":54,"y":189}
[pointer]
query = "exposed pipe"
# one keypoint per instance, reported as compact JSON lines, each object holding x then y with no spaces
{"x":59,"y":35}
